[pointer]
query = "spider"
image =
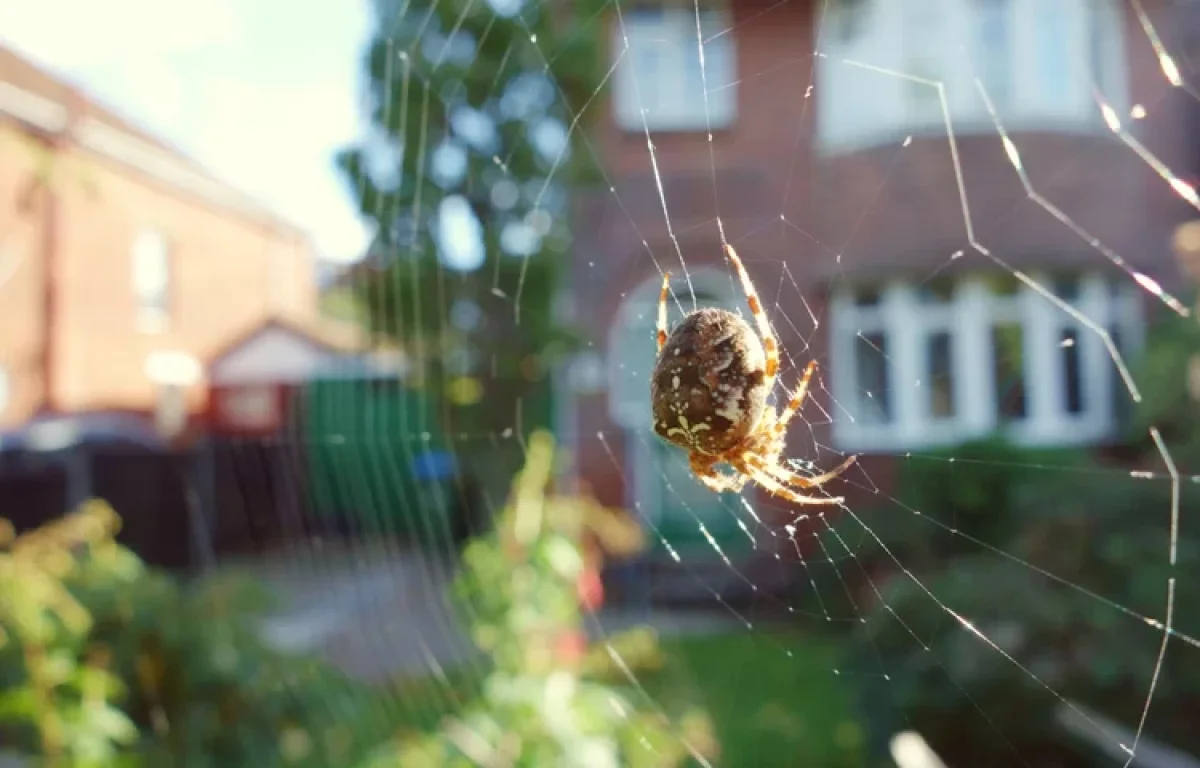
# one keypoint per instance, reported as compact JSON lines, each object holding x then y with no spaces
{"x":709,"y":396}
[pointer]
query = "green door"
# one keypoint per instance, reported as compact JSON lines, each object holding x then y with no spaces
{"x":683,"y":509}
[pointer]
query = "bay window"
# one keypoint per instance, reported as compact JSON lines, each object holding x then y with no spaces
{"x":1039,"y":62}
{"x":937,"y":363}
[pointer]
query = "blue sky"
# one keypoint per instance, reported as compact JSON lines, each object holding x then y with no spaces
{"x":260,"y":91}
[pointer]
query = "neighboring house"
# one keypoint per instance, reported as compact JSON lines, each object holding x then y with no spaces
{"x":844,"y":201}
{"x":123,"y":264}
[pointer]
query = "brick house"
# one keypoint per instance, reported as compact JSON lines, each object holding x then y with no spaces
{"x":840,"y":189}
{"x":123,"y":264}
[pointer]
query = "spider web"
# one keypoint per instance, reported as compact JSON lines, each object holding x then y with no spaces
{"x":752,"y":563}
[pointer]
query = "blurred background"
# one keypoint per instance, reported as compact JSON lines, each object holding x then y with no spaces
{"x":326,"y":333}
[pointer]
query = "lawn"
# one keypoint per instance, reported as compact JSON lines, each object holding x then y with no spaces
{"x":767,"y":709}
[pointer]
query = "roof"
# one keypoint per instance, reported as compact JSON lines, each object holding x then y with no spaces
{"x":331,"y":336}
{"x":24,"y":74}
{"x":50,"y":104}
{"x":289,"y":349}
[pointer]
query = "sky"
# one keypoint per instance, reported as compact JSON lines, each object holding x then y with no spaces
{"x":262,"y":92}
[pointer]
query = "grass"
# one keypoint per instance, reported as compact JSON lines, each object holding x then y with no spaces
{"x":768,"y":709}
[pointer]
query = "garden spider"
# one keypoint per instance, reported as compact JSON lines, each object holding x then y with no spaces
{"x":709,"y":396}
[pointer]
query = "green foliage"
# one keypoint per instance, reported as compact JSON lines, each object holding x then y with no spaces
{"x":526,"y":75}
{"x":1053,"y":556}
{"x":484,"y":88}
{"x":547,"y":700}
{"x":58,"y":692}
{"x":108,"y":663}
{"x":104,"y":662}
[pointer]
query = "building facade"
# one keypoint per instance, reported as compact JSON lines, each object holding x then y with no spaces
{"x":935,"y":206}
{"x":123,"y":264}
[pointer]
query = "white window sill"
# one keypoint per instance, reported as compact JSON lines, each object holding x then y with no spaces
{"x":879,"y":439}
{"x":847,"y":142}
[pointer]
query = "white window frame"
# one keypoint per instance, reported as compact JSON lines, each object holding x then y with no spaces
{"x":969,"y":317}
{"x":670,"y":96}
{"x":151,"y":272}
{"x":862,"y":108}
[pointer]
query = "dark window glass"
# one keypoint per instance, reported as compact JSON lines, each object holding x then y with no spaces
{"x":1066,"y":287}
{"x":1008,"y":371}
{"x":1004,"y":284}
{"x":941,"y":375}
{"x":1122,"y":405}
{"x":868,"y":296}
{"x":871,"y":377}
{"x":936,"y":291}
{"x":1072,"y":381}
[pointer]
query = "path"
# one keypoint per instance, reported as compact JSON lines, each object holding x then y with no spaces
{"x":380,"y":611}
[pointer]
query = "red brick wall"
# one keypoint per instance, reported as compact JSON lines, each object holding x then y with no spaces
{"x":759,"y":162}
{"x":222,"y":282}
{"x":901,"y":205}
{"x":20,"y":278}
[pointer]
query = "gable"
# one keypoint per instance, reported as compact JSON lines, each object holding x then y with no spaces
{"x":273,"y":354}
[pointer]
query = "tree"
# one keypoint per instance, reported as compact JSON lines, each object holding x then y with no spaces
{"x":477,"y":121}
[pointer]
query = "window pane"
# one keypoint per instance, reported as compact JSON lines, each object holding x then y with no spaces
{"x":867,"y":296}
{"x":1051,"y":39}
{"x":1066,"y":287}
{"x":941,"y":376}
{"x":1008,"y":370}
{"x":922,"y":58}
{"x":151,"y":270}
{"x":992,"y":50}
{"x":1098,"y":38}
{"x":871,"y":378}
{"x":1122,"y":405}
{"x":939,"y":290}
{"x":1072,"y":384}
{"x":1004,"y":284}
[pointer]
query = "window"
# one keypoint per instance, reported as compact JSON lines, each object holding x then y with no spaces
{"x":1008,"y":371}
{"x":946,"y":361}
{"x":1036,"y":59}
{"x":659,"y":73}
{"x":871,"y":373}
{"x":992,"y":50}
{"x":923,"y":36}
{"x":1052,"y":32}
{"x":151,"y":281}
{"x":940,"y":373}
{"x":1072,"y":383}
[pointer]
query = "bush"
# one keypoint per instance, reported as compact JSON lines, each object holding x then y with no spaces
{"x":549,"y":698}
{"x":107,"y":662}
{"x":1054,"y":557}
{"x":104,"y":662}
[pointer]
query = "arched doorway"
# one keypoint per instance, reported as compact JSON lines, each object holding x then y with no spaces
{"x":658,"y":480}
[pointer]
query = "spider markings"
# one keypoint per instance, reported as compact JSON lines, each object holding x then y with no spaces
{"x":709,"y":396}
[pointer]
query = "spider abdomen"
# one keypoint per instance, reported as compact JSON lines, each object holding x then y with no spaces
{"x":708,"y":389}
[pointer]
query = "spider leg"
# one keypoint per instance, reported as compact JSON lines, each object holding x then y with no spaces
{"x":793,"y":405}
{"x":777,"y":488}
{"x":770,"y":343}
{"x":662,"y":312}
{"x":795,"y":478}
{"x":713,"y":480}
